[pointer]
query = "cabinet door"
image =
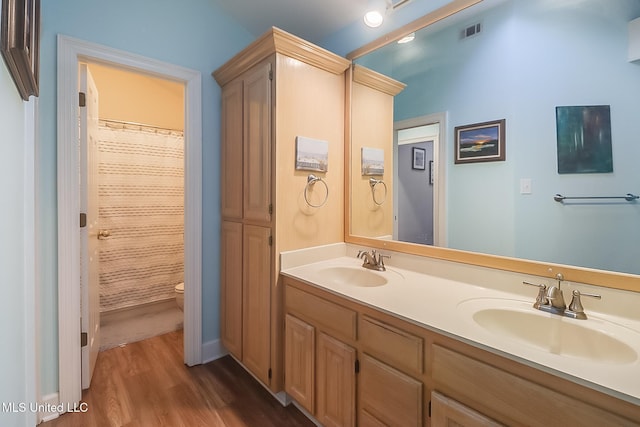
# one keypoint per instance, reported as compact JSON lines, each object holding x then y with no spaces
{"x":448,"y":412}
{"x":256,"y":292}
{"x":231,"y":150}
{"x":299,"y":361}
{"x":231,"y":287}
{"x":257,"y":144}
{"x":336,"y":382}
{"x":389,"y":396}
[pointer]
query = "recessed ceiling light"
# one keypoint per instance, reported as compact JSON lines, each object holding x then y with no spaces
{"x":373,"y":18}
{"x":408,"y":38}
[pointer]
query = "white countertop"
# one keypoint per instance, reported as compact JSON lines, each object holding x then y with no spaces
{"x":429,"y":293}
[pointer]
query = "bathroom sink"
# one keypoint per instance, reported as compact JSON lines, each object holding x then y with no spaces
{"x":353,"y":276}
{"x":593,"y":339}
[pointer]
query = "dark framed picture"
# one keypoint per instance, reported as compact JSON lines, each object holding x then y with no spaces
{"x":419,"y":158}
{"x":480,"y":142}
{"x":20,"y":43}
{"x":584,"y":139}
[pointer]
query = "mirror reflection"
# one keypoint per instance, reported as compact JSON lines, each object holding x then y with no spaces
{"x":517,"y":61}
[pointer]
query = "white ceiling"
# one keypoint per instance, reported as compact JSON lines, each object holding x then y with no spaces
{"x":312,"y":20}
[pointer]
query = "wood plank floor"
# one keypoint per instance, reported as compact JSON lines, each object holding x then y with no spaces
{"x":146,"y":384}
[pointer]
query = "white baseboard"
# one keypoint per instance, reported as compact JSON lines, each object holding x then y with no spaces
{"x":48,"y":408}
{"x":213,"y":350}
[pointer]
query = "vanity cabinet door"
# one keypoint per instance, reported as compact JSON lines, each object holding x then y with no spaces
{"x":388,"y":396}
{"x":336,"y":383}
{"x":231,"y":287}
{"x":448,"y":412}
{"x":256,"y":301}
{"x":257,"y":144}
{"x":231,"y":150}
{"x":299,"y":361}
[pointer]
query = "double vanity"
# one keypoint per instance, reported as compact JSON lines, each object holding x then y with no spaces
{"x":430,"y":336}
{"x":425,"y":342}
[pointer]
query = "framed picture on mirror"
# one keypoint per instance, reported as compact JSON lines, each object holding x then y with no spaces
{"x":419,"y":158}
{"x":20,"y":43}
{"x":480,"y":142}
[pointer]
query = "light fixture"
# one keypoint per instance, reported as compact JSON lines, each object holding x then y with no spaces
{"x":373,"y":18}
{"x":379,"y":8}
{"x":408,"y":38}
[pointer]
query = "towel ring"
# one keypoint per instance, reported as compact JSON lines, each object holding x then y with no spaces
{"x":373,"y":182}
{"x":311,"y":180}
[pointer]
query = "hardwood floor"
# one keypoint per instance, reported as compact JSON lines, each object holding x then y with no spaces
{"x":146,"y":384}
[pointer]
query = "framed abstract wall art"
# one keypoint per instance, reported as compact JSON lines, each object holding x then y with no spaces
{"x":584,"y":139}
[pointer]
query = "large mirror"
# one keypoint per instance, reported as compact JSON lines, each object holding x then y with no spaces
{"x":555,"y":77}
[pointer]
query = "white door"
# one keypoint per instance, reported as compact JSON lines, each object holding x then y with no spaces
{"x":89,"y":254}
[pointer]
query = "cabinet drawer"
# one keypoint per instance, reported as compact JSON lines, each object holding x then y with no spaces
{"x":509,"y":398}
{"x":392,"y":345}
{"x":387,"y":396}
{"x":332,"y":317}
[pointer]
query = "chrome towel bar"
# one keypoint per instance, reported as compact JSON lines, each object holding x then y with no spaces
{"x":628,"y":197}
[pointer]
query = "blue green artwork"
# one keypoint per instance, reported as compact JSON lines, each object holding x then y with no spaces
{"x":584,"y":139}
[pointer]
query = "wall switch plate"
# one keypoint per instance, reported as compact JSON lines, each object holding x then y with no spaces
{"x":525,"y":186}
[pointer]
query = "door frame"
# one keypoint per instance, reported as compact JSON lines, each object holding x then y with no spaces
{"x":70,"y":52}
{"x":439,"y":163}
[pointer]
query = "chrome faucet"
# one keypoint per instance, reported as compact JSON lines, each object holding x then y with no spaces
{"x":552,"y":300}
{"x":372,"y":260}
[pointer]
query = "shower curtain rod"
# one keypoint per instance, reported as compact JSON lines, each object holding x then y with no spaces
{"x":124,"y":122}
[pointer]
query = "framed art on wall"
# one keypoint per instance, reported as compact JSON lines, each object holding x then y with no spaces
{"x":20,"y":43}
{"x":419,"y":158}
{"x":480,"y":142}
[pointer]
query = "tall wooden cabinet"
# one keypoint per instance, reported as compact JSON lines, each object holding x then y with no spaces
{"x":261,"y":190}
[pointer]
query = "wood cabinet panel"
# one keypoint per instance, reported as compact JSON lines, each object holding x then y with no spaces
{"x":340,"y":321}
{"x":392,"y":345}
{"x":447,"y":412}
{"x":231,"y":287}
{"x":509,"y":398}
{"x":299,"y":361}
{"x":387,"y":394}
{"x":231,"y":162}
{"x":256,"y":290}
{"x":336,"y":383}
{"x":257,"y":144}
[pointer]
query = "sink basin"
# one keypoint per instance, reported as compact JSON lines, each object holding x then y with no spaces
{"x":592,"y":339}
{"x":353,"y":276}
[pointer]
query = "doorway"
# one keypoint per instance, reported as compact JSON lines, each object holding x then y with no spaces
{"x":140,"y":174}
{"x":71,"y":52}
{"x":419,"y":181}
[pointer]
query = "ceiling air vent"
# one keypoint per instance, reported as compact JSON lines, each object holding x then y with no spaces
{"x":471,"y":31}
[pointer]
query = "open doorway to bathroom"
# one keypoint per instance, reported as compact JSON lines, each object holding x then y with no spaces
{"x":140,"y":204}
{"x":70,"y":53}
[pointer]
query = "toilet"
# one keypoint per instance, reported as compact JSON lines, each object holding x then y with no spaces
{"x":179,"y":289}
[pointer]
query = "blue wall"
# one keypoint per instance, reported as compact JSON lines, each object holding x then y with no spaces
{"x":530,"y":58}
{"x":13,"y":366}
{"x":196,"y":35}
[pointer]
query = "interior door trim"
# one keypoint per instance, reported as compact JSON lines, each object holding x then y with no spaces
{"x":70,"y":52}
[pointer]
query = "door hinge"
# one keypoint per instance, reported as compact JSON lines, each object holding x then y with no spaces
{"x":271,"y":209}
{"x":357,"y":367}
{"x":270,"y":240}
{"x":270,"y":74}
{"x":83,"y":339}
{"x":82,"y":99}
{"x":269,"y":373}
{"x":83,"y":219}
